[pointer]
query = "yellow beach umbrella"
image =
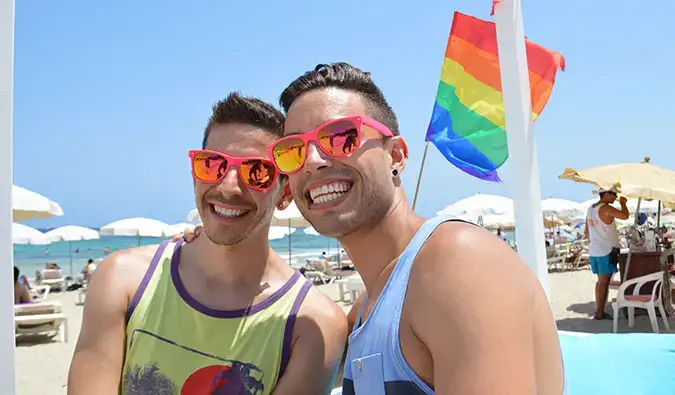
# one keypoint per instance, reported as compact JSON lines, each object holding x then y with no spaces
{"x":638,"y":180}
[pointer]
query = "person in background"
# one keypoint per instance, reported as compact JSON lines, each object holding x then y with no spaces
{"x":88,"y":270}
{"x":603,"y":244}
{"x":21,"y":292}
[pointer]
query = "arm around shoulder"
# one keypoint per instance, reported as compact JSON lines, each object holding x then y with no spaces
{"x":475,"y":314}
{"x":319,"y":338}
{"x":97,"y":363}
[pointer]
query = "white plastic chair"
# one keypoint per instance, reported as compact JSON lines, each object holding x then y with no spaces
{"x":647,"y":302}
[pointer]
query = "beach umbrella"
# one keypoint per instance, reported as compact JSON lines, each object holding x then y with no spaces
{"x":71,"y":233}
{"x":193,"y":216}
{"x":23,"y":234}
{"x":139,"y":227}
{"x":279,"y":232}
{"x":178,"y":229}
{"x":478,"y":204}
{"x":561,"y":208}
{"x":290,"y":217}
{"x":638,"y":180}
{"x":30,"y":205}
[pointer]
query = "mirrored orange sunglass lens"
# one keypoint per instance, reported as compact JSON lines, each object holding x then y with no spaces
{"x":289,"y":154}
{"x":339,"y":138}
{"x":209,"y":167}
{"x":258,"y":174}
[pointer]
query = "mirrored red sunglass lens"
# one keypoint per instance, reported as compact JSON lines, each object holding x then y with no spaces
{"x":289,"y":154}
{"x":209,"y":167}
{"x":339,"y":138}
{"x":258,"y":173}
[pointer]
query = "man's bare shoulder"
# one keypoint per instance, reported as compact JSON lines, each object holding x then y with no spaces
{"x":126,"y":268}
{"x":318,"y":314}
{"x":461,"y":260}
{"x":318,"y":306}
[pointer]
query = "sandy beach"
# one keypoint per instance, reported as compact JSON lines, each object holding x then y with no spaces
{"x":42,"y":363}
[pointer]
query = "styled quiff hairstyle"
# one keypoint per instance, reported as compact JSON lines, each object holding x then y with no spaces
{"x":343,"y":76}
{"x":236,"y":108}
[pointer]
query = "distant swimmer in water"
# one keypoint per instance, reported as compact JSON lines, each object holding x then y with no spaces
{"x":106,"y":251}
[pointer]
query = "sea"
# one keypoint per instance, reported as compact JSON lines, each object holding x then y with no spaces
{"x":32,"y":258}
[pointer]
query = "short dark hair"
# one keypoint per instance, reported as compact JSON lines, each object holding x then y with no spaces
{"x":236,"y":108}
{"x":343,"y":75}
{"x":16,"y":274}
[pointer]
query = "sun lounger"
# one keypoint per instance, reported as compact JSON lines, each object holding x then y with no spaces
{"x":41,"y":318}
{"x":39,"y":292}
{"x":51,"y":277}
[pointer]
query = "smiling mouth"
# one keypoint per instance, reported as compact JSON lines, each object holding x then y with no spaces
{"x":228,"y":213}
{"x":329,"y":192}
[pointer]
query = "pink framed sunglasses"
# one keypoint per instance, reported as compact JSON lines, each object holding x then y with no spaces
{"x":211,"y":167}
{"x":338,"y":138}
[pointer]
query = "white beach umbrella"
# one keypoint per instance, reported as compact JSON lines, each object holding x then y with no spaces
{"x":290,"y":217}
{"x":193,"y":216}
{"x":29,"y":205}
{"x":279,"y":232}
{"x":23,"y":234}
{"x":179,"y":228}
{"x":561,"y":207}
{"x":310,"y":231}
{"x":139,"y":227}
{"x":474,"y":206}
{"x":71,"y":233}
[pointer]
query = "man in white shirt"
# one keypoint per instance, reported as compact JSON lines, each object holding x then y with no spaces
{"x":603,"y":247}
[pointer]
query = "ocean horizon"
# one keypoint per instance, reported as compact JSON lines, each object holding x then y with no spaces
{"x":32,"y":258}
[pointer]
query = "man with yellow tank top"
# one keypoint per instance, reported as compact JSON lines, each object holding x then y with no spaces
{"x":224,"y":314}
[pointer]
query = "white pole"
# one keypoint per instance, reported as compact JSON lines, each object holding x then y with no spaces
{"x":7,"y":368}
{"x":521,"y":141}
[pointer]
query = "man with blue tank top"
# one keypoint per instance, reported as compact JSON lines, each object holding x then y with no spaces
{"x":224,"y":314}
{"x":448,"y":307}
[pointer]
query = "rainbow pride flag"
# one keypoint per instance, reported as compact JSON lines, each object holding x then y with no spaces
{"x":467,"y":124}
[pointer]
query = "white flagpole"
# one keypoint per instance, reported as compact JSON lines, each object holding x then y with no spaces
{"x":7,"y":368}
{"x":521,"y":141}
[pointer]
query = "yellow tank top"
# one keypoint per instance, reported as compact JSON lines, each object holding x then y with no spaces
{"x":176,"y":345}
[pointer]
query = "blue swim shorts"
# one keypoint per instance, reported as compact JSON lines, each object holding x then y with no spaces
{"x":604,"y":264}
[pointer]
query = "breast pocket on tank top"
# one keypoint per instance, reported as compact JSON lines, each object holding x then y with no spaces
{"x":368,"y":375}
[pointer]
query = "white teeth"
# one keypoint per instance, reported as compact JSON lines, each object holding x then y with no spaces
{"x":228,"y":212}
{"x":327,"y":192}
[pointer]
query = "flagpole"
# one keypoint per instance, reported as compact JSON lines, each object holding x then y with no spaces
{"x":526,"y":189}
{"x":7,"y":365}
{"x":419,"y":178}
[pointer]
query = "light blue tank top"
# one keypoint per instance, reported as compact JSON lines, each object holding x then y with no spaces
{"x":375,"y":364}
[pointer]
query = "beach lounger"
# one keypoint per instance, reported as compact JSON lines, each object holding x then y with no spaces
{"x":39,"y":292}
{"x":52,"y":277}
{"x":41,"y":318}
{"x":80,"y":296}
{"x":351,"y":286}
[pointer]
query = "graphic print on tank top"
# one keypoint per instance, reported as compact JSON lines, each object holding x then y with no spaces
{"x":216,"y":376}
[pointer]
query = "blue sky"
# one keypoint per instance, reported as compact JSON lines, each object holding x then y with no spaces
{"x":109,"y":96}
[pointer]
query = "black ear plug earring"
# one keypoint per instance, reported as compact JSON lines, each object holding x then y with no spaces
{"x":394,"y":172}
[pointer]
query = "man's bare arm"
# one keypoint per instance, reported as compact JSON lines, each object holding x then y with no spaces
{"x":613,"y":212}
{"x":96,"y":367}
{"x":320,"y":334}
{"x":472,"y":306}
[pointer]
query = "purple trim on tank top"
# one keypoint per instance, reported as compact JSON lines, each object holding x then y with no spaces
{"x":290,"y":324}
{"x":192,"y":302}
{"x":145,"y":281}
